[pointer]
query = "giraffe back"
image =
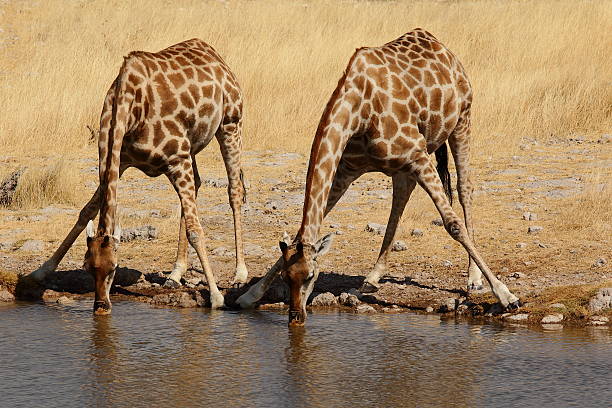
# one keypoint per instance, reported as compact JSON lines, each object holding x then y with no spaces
{"x":178,"y":98}
{"x":410,"y":86}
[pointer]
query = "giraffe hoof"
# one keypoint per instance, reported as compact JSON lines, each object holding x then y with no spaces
{"x":367,"y":287}
{"x":514,"y":305}
{"x":171,"y":284}
{"x":472,"y":287}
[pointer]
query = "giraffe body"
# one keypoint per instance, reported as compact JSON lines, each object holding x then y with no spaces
{"x":161,"y":110}
{"x":394,"y":106}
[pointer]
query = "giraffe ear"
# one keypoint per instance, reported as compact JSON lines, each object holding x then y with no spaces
{"x":323,"y":245}
{"x":286,"y":238}
{"x":117,"y":233}
{"x":90,"y":229}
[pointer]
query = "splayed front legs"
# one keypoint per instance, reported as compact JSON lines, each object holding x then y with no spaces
{"x":89,"y":212}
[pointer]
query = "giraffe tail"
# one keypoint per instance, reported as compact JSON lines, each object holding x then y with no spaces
{"x":442,"y":167}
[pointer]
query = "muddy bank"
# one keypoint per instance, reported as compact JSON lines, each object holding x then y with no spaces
{"x":586,"y":306}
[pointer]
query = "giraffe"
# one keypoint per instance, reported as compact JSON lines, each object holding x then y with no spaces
{"x":161,"y":110}
{"x":394,"y":106}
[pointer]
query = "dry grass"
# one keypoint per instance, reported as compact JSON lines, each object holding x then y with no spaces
{"x":56,"y":183}
{"x":589,"y":213}
{"x":539,"y":68}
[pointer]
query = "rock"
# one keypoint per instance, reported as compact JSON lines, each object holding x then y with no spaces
{"x":127,"y":277}
{"x":253,"y":250}
{"x":218,"y":183}
{"x":324,"y":299}
{"x":529,"y":216}
{"x":273,"y":205}
{"x":558,"y":306}
{"x":429,"y":309}
{"x":447,"y":263}
{"x":416,"y":232}
{"x":605,"y":138}
{"x":7,"y":245}
{"x":8,"y":187}
{"x":495,"y":309}
{"x":517,"y":275}
{"x":355,"y":292}
{"x":534,"y":229}
{"x":5,"y":295}
{"x":64,"y":300}
{"x":32,"y":245}
{"x":273,"y":306}
{"x":449,"y":305}
{"x":177,"y":299}
{"x":399,"y":246}
{"x":193,"y":281}
{"x":542,"y":245}
{"x":365,"y":309}
{"x":50,"y":295}
{"x":516,"y":317}
{"x":598,"y":320}
{"x":221,"y":251}
{"x":521,"y":245}
{"x":552,"y":318}
{"x":348,"y":300}
{"x":376,"y":228}
{"x":145,"y":232}
{"x":602,"y":300}
{"x":438,"y":222}
{"x":600,"y":262}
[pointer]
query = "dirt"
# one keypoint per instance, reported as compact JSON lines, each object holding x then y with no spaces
{"x":554,"y":265}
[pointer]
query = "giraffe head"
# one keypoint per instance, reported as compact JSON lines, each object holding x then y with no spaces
{"x":101,"y":262}
{"x":300,"y":271}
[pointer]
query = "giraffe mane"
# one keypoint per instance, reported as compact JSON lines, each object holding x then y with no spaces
{"x":323,"y":122}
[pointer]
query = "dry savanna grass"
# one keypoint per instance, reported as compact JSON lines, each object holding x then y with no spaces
{"x":591,"y":211}
{"x":540,"y":69}
{"x":56,"y":183}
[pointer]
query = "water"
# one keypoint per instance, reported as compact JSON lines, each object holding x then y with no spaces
{"x":62,"y":356}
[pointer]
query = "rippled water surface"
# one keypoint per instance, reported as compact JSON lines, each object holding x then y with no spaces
{"x":62,"y":356}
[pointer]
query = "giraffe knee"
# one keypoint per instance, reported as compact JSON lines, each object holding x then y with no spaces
{"x":455,"y":229}
{"x":193,"y":237}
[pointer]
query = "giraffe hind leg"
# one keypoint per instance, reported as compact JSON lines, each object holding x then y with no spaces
{"x":183,"y":183}
{"x":181,"y":263}
{"x":460,"y":148}
{"x":230,"y":142}
{"x":403,"y":185}
{"x":428,"y":178}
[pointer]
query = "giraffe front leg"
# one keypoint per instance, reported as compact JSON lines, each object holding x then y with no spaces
{"x":230,"y":142}
{"x":88,"y":213}
{"x":428,"y":178}
{"x":460,"y":148}
{"x":403,"y":186}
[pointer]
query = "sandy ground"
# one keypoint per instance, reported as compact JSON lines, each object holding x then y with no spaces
{"x":551,"y":266}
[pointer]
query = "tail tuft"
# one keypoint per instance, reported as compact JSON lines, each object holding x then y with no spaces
{"x":442,"y":167}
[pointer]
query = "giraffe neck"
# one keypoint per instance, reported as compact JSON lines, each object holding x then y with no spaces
{"x":109,"y":148}
{"x":332,"y":134}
